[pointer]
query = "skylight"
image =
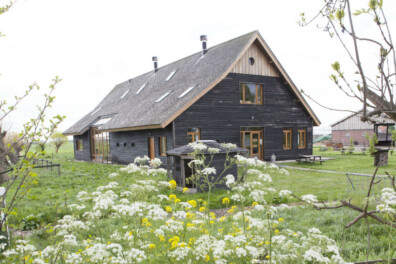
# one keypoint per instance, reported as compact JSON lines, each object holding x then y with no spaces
{"x":171,"y":75}
{"x":162,"y":97}
{"x":97,"y":110}
{"x":122,"y":96}
{"x":141,"y":88}
{"x":102,"y":121}
{"x":186,"y":91}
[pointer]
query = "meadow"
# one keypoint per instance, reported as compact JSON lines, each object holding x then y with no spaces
{"x":175,"y":225}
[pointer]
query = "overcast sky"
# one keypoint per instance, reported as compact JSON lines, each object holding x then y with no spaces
{"x":95,"y":44}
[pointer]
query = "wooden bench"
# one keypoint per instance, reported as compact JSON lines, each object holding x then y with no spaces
{"x":310,"y":159}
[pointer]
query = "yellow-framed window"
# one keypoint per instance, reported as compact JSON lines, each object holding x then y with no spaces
{"x":287,"y":138}
{"x":302,"y":138}
{"x":162,"y":146}
{"x":251,"y":93}
{"x":193,"y":134}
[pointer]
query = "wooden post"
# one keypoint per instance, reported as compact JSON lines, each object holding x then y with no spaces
{"x":182,"y":173}
{"x":168,"y":166}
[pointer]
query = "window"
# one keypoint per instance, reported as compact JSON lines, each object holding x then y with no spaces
{"x":124,"y":94}
{"x":162,"y":97}
{"x":287,"y":138}
{"x":186,"y":91}
{"x":102,"y":121}
{"x":79,"y":145}
{"x":193,"y":134}
{"x":302,"y":138}
{"x":252,"y":140}
{"x":170,"y":75}
{"x":162,"y":146}
{"x":251,"y":93}
{"x":97,"y":110}
{"x":141,"y":88}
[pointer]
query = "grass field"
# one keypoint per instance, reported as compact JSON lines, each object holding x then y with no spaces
{"x":48,"y":200}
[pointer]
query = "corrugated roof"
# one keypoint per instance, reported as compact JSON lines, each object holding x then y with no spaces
{"x":141,"y":111}
{"x":382,"y":119}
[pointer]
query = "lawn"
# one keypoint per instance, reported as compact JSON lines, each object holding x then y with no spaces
{"x":356,"y":162}
{"x":49,"y":201}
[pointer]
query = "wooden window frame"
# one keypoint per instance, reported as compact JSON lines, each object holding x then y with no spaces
{"x":289,"y":137}
{"x":192,"y":134}
{"x":102,"y":141}
{"x":253,"y":130}
{"x":79,"y":145}
{"x":243,"y":101}
{"x":162,"y":146}
{"x":302,"y":133}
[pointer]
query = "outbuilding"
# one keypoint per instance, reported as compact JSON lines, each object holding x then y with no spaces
{"x":179,"y":158}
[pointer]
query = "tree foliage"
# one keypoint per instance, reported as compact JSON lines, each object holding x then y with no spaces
{"x":373,"y":83}
{"x":58,"y":139}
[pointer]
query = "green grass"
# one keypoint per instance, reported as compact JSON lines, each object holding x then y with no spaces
{"x":356,"y":162}
{"x":53,"y":193}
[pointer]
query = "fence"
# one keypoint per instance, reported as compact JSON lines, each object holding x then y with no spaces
{"x":358,"y":182}
{"x":44,"y":164}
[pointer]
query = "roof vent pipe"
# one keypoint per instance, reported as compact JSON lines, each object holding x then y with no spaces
{"x":155,"y":60}
{"x":204,"y":38}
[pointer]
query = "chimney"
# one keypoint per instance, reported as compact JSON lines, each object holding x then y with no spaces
{"x":155,"y":60}
{"x":203,"y":40}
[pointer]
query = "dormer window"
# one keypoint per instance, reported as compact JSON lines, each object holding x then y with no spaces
{"x":124,"y":94}
{"x":251,"y":93}
{"x":162,"y":97}
{"x":102,"y":121}
{"x":170,"y":75}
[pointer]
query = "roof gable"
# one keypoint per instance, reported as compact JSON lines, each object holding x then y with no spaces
{"x":141,"y":108}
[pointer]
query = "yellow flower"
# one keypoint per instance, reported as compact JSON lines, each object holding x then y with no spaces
{"x":146,"y":222}
{"x":221,"y":219}
{"x":182,"y":244}
{"x":254,"y":204}
{"x":108,"y":243}
{"x":130,"y":233}
{"x":190,"y":215}
{"x":172,"y":197}
{"x":151,"y":246}
{"x":172,"y":184}
{"x":207,"y":258}
{"x":266,"y":242}
{"x":267,"y":257}
{"x":185,"y":189}
{"x":280,"y":219}
{"x":226,"y":200}
{"x":162,"y":238}
{"x":193,"y":203}
{"x":212,"y":215}
{"x":276,"y":231}
{"x":168,"y":209}
{"x":177,"y":201}
{"x":191,"y":241}
{"x":190,"y":224}
{"x":202,"y":209}
{"x":174,"y":239}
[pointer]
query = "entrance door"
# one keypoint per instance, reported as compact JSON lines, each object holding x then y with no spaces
{"x":151,"y":148}
{"x":252,"y":140}
{"x":99,"y":145}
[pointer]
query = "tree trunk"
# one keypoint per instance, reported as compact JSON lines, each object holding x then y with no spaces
{"x":4,"y":165}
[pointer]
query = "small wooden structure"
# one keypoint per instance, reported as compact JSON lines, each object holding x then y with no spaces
{"x":381,"y":156}
{"x":178,"y":159}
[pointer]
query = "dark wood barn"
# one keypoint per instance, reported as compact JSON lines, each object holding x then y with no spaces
{"x":235,"y":92}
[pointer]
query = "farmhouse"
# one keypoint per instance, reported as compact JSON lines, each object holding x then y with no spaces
{"x":352,"y":127}
{"x":235,"y":92}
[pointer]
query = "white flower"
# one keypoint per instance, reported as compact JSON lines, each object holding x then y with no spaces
{"x":213,"y":150}
{"x":285,"y":193}
{"x":197,"y":146}
{"x":207,"y":171}
{"x":229,"y":146}
{"x":309,"y":199}
{"x":230,"y":180}
{"x":265,"y":177}
{"x":113,"y":175}
{"x":155,"y":163}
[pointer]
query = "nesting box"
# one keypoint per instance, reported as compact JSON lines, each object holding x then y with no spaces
{"x":178,"y":159}
{"x":381,"y":156}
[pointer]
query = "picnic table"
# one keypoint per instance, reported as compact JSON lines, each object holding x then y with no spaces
{"x":310,"y":159}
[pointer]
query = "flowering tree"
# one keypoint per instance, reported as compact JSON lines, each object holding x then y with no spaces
{"x":16,"y":154}
{"x":374,"y":82}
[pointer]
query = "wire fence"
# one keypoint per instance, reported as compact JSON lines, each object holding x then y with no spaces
{"x":359,"y":183}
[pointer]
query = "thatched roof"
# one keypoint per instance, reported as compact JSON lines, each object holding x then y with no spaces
{"x":136,"y":103}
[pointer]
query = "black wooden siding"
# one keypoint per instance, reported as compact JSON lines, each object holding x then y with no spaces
{"x":85,"y":154}
{"x":127,"y":154}
{"x":220,"y":115}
